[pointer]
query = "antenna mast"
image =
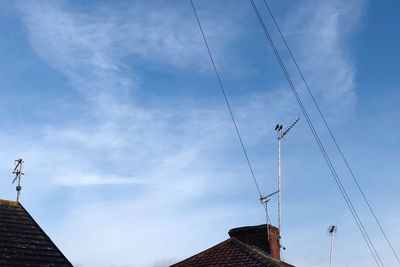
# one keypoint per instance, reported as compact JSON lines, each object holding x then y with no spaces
{"x":18,"y":173}
{"x":331,"y":231}
{"x":281,"y":135}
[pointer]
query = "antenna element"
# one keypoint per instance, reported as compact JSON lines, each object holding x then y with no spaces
{"x":18,"y":173}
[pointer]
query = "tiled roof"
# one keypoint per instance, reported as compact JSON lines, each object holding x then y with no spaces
{"x":23,"y":242}
{"x":231,"y":252}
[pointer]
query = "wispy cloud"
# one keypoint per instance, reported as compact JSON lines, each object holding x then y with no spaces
{"x":319,"y":35}
{"x":98,"y":52}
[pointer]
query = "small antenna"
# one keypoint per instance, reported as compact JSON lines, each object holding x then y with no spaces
{"x":281,"y":135}
{"x":264,"y":202}
{"x":19,"y":163}
{"x":332,"y":232}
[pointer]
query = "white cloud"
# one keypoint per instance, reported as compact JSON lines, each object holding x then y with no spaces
{"x":90,"y":179}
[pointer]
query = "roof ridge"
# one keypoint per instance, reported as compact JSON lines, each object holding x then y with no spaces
{"x":9,"y":202}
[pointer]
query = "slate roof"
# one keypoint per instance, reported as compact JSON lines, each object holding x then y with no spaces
{"x":22,"y":242}
{"x":231,"y":252}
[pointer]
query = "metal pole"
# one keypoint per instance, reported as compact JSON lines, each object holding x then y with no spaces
{"x":267,"y":219}
{"x":279,"y":189}
{"x":18,"y":189}
{"x":331,"y":253}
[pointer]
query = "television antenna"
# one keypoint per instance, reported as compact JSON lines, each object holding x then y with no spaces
{"x":264,"y":201}
{"x":19,"y":164}
{"x":332,"y":232}
{"x":281,"y":135}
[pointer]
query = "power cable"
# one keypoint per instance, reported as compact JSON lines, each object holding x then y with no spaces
{"x":227,"y":102}
{"x":320,"y":145}
{"x":331,"y":132}
{"x":359,"y":224}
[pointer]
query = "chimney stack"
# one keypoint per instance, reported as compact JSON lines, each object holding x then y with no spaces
{"x":257,"y":236}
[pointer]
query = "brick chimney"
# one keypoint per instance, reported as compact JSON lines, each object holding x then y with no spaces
{"x":257,"y":236}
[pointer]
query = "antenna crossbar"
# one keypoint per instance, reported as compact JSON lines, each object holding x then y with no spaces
{"x":283,"y":133}
{"x":266,"y":198}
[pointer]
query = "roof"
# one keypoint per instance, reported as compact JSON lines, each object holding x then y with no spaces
{"x":23,"y":242}
{"x":231,"y":252}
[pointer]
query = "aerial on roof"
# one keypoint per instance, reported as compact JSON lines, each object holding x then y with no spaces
{"x":245,"y":247}
{"x":23,"y":242}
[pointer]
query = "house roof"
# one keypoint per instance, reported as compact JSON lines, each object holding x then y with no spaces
{"x":232,"y":252}
{"x":23,"y":242}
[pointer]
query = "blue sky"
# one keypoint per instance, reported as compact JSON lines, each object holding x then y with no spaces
{"x":131,"y":157}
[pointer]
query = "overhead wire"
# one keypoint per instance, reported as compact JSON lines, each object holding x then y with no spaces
{"x":348,"y":201}
{"x":331,"y":132}
{"x":227,"y":102}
